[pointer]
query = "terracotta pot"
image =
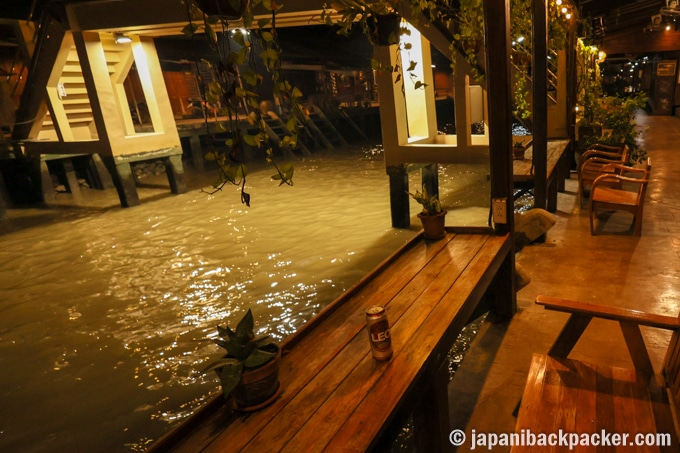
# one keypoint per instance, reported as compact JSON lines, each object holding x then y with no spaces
{"x":384,"y":29}
{"x":229,"y":9}
{"x":518,"y":153}
{"x":259,"y":387}
{"x":433,"y":225}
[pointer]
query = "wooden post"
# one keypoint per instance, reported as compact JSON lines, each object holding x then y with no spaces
{"x":540,"y":113}
{"x":431,"y":415}
{"x":497,"y":20}
{"x":399,"y":205}
{"x":430,"y":179}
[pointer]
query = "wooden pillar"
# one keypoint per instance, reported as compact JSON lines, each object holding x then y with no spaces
{"x":175,"y":172}
{"x":497,"y":20}
{"x":431,"y":415}
{"x":399,"y":205}
{"x":121,"y":173}
{"x":540,"y":113}
{"x":430,"y":179}
{"x":497,"y":26}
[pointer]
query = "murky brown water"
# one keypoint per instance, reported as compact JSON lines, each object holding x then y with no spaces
{"x":102,"y":309}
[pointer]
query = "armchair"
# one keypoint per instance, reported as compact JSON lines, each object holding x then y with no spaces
{"x":592,"y":161}
{"x":608,"y":192}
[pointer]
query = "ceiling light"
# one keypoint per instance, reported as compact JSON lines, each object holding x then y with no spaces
{"x":120,"y":38}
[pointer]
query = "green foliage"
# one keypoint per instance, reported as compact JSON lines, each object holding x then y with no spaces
{"x":235,"y":91}
{"x":617,"y":116}
{"x":243,"y":351}
{"x":430,"y":204}
{"x":362,"y":14}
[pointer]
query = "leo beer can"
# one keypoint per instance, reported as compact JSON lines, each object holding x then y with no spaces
{"x":379,"y":332}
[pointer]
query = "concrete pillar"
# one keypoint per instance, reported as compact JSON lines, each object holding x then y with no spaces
{"x":175,"y":172}
{"x":121,"y":173}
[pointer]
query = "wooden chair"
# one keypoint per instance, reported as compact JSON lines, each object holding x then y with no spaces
{"x":591,"y":399}
{"x":609,"y":193}
{"x":592,"y":161}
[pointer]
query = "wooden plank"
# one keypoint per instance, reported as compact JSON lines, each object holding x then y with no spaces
{"x":604,"y":402}
{"x":359,"y":430}
{"x":527,"y":418}
{"x":607,"y":312}
{"x":633,"y":411}
{"x":349,"y":368}
{"x":585,"y":401}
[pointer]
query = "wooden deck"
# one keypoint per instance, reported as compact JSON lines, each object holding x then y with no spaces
{"x":557,"y":170}
{"x":335,"y":396}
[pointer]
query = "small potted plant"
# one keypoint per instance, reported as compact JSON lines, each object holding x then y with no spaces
{"x":518,"y":149}
{"x":432,"y":215}
{"x":249,"y":371}
{"x":379,"y":20}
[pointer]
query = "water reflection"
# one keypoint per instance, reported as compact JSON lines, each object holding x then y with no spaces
{"x":104,"y":311}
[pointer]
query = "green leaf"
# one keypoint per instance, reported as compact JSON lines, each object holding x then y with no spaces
{"x":219,"y":127}
{"x":190,"y":29}
{"x":291,"y":124}
{"x":250,"y":140}
{"x":267,"y":36}
{"x":412,"y":66}
{"x":259,"y":358}
{"x":245,"y":326}
{"x":263,"y":22}
{"x":230,"y":375}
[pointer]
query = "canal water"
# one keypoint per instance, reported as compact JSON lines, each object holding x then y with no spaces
{"x":104,"y":310}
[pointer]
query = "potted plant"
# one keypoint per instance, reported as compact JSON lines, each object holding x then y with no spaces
{"x":432,"y":215}
{"x":379,"y":20}
{"x":249,"y":371}
{"x":518,"y":149}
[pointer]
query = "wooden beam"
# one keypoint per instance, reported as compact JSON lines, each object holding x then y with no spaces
{"x":32,"y":106}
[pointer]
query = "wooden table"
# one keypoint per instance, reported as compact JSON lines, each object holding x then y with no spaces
{"x":335,"y":396}
{"x":557,"y":170}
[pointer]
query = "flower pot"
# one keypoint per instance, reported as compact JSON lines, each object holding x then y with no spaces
{"x":229,"y":9}
{"x":433,"y":225}
{"x":259,"y":387}
{"x":518,"y":153}
{"x":384,"y":29}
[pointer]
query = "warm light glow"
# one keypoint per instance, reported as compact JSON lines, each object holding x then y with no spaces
{"x":558,"y":2}
{"x":520,"y":39}
{"x":120,"y":38}
{"x":668,"y":27}
{"x":564,"y":10}
{"x":568,"y":16}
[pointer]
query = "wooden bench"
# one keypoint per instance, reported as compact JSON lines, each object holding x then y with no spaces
{"x":557,"y":171}
{"x":335,"y":396}
{"x":585,"y":399}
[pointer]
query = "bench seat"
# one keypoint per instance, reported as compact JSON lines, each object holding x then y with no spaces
{"x":583,"y":398}
{"x":595,"y":406}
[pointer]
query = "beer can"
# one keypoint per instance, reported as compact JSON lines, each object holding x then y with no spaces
{"x":379,"y":332}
